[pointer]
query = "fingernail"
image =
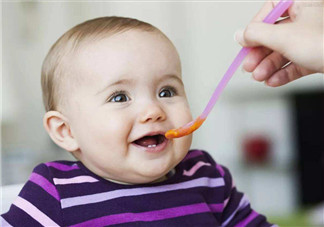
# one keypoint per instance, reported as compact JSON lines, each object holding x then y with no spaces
{"x":257,"y":73}
{"x":274,"y":81}
{"x":238,"y":36}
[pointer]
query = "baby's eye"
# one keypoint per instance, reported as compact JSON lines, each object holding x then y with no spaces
{"x":167,"y":92}
{"x":118,"y":97}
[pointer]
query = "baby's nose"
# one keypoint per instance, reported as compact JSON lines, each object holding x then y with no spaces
{"x":152,"y":112}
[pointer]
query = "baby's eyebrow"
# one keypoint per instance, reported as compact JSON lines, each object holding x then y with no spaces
{"x":172,"y":77}
{"x":118,"y":82}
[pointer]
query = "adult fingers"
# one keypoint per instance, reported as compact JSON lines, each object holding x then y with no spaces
{"x":240,"y":35}
{"x":261,"y":34}
{"x":257,"y":54}
{"x":268,"y":66}
{"x":289,"y":73}
{"x":253,"y":59}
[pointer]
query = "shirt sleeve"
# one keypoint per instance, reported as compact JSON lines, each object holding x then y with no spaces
{"x":237,"y":209}
{"x":38,"y":203}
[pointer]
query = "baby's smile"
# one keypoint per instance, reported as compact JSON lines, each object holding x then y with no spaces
{"x":152,"y":142}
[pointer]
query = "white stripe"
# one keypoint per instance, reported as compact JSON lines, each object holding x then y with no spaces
{"x":74,"y":180}
{"x":243,"y":203}
{"x":34,"y":212}
{"x":105,"y":196}
{"x":195,"y":168}
{"x":4,"y":223}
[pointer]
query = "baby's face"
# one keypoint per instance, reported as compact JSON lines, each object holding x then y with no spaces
{"x":129,"y":94}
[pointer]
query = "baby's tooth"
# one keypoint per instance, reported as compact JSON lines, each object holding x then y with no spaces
{"x":154,"y":145}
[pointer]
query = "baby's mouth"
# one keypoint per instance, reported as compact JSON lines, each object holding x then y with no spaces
{"x":151,"y":141}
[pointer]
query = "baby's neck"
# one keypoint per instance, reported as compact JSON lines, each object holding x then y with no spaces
{"x":163,"y":178}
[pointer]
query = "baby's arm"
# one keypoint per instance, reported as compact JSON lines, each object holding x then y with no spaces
{"x":297,"y":39}
{"x":38,"y":203}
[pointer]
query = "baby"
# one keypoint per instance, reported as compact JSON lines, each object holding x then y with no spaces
{"x":112,"y":87}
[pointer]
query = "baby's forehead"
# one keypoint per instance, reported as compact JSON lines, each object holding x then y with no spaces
{"x":131,"y":57}
{"x":129,"y":40}
{"x":127,"y":52}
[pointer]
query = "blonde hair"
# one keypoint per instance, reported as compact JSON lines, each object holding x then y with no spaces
{"x":53,"y":75}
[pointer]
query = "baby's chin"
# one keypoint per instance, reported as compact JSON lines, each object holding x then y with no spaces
{"x":157,"y":172}
{"x":141,"y":174}
{"x":150,"y":174}
{"x":152,"y":177}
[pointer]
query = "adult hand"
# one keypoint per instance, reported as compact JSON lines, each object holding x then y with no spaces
{"x":288,"y":50}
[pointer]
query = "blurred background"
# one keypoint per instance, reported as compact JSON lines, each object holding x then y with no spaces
{"x":270,"y":138}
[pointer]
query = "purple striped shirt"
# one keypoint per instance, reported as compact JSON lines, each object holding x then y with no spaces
{"x":199,"y":193}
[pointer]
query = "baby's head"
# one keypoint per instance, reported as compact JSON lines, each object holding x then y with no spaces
{"x":112,"y":87}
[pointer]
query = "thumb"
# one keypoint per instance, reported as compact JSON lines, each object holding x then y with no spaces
{"x":271,"y":36}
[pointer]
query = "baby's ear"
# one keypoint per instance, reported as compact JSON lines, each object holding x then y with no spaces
{"x":59,"y":130}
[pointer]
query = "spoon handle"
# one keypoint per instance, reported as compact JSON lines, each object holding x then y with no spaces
{"x":276,"y":12}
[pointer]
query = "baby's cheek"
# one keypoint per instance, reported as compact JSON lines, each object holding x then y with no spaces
{"x":182,"y":146}
{"x":184,"y":115}
{"x":118,"y":126}
{"x":98,"y":127}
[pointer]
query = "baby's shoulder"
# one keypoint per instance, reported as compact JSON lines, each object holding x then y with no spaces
{"x":55,"y":169}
